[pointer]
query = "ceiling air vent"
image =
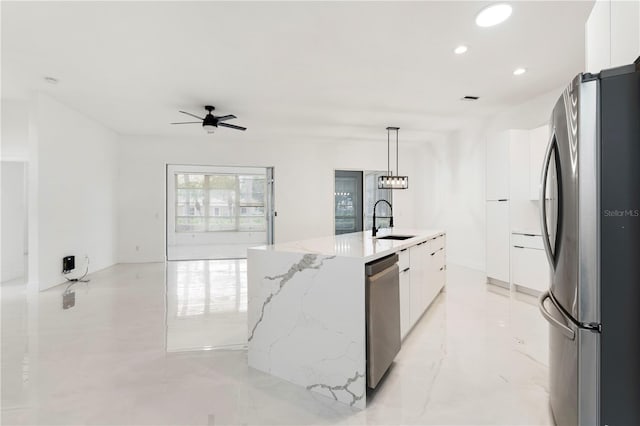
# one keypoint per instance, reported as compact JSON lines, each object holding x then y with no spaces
{"x":470,"y":98}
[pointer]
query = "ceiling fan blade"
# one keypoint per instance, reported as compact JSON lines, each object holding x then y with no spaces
{"x":231,"y":126}
{"x":226,"y":117}
{"x":188,"y":122}
{"x":193,"y":115}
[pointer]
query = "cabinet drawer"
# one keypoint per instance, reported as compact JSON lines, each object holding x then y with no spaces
{"x":436,"y":257}
{"x":530,"y":268}
{"x":403,"y":259}
{"x":437,"y":243}
{"x":527,"y":240}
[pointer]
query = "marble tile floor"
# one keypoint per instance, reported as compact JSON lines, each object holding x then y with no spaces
{"x":127,"y":354}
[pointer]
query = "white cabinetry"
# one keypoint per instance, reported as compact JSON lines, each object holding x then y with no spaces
{"x":405,"y":292}
{"x":521,"y":153}
{"x":498,"y":240}
{"x":417,"y":254}
{"x":612,"y":34}
{"x":529,"y":265}
{"x":538,"y":140}
{"x":422,"y":277}
{"x":437,"y":266}
{"x":497,"y":161}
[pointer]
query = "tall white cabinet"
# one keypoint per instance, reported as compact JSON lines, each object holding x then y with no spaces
{"x":498,"y":242}
{"x":514,"y":164}
{"x":497,"y":156}
{"x":497,"y":208}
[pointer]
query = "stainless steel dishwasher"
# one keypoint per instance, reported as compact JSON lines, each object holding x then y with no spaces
{"x":383,"y":316}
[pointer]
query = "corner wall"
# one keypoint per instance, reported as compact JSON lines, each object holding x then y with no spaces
{"x":74,"y":196}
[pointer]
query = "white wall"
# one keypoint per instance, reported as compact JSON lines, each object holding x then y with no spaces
{"x":304,"y":180}
{"x":15,"y":123}
{"x":14,"y":154}
{"x":612,"y":34}
{"x":455,"y":194}
{"x":74,"y":191}
{"x":13,"y":220}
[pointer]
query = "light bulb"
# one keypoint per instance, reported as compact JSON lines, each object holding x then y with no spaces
{"x":493,"y":15}
{"x":460,"y":49}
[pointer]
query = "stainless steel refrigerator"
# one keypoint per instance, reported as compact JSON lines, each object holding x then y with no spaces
{"x":590,"y":208}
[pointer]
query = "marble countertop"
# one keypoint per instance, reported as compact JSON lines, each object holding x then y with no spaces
{"x":357,"y":244}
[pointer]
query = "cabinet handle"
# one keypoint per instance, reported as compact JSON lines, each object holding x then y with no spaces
{"x":442,"y":268}
{"x":405,"y":269}
{"x":440,"y":249}
{"x":518,"y":247}
{"x":503,"y":199}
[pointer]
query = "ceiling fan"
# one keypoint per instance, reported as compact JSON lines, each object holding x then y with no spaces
{"x":210,"y":122}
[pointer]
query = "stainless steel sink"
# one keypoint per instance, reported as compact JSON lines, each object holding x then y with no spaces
{"x":395,"y":237}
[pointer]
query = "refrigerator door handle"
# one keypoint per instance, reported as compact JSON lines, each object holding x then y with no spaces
{"x":566,"y":331}
{"x":543,"y":199}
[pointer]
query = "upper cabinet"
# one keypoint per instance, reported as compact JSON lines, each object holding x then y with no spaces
{"x":498,"y":167}
{"x":612,"y":34}
{"x":538,"y":140}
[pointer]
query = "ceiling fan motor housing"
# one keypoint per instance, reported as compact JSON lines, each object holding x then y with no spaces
{"x":209,"y":120}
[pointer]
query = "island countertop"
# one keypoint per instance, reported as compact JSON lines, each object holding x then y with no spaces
{"x":306,"y":312}
{"x":357,"y":244}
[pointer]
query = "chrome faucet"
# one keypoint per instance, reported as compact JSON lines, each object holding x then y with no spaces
{"x":374,"y":230}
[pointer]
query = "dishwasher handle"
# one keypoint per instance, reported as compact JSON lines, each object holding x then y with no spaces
{"x":380,"y":265}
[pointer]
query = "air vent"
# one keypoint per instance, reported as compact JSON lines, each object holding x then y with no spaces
{"x":470,"y":98}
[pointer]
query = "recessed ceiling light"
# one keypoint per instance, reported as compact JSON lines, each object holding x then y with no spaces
{"x":519,"y":71}
{"x":460,"y":49}
{"x":51,"y":80}
{"x":493,"y":15}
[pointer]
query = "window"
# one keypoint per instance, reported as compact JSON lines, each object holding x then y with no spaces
{"x":220,"y":202}
{"x":373,"y":194}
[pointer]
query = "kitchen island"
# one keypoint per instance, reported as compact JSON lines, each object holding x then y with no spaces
{"x":306,"y":304}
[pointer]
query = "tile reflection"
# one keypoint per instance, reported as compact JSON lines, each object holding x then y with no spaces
{"x":206,"y":304}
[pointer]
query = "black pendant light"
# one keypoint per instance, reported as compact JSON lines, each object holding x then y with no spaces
{"x":390,"y":181}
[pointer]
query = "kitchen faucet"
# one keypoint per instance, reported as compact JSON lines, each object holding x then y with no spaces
{"x":374,"y":230}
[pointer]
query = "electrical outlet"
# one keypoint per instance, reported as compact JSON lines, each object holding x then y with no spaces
{"x":68,"y":264}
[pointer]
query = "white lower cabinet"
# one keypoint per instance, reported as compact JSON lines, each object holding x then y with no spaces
{"x":405,"y":302}
{"x":529,"y":264}
{"x":498,"y":240}
{"x":417,"y":281}
{"x":421,"y":280}
{"x":435,"y":279}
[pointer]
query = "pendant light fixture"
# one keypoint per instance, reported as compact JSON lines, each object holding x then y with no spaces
{"x":390,"y":181}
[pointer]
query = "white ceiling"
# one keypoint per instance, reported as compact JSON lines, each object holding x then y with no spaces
{"x":289,"y":70}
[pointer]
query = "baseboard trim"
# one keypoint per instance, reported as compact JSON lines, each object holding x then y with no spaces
{"x":498,"y":283}
{"x":527,"y":290}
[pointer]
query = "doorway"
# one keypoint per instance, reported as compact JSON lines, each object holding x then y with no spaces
{"x":217,"y":212}
{"x":355,"y":194}
{"x":347,"y":201}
